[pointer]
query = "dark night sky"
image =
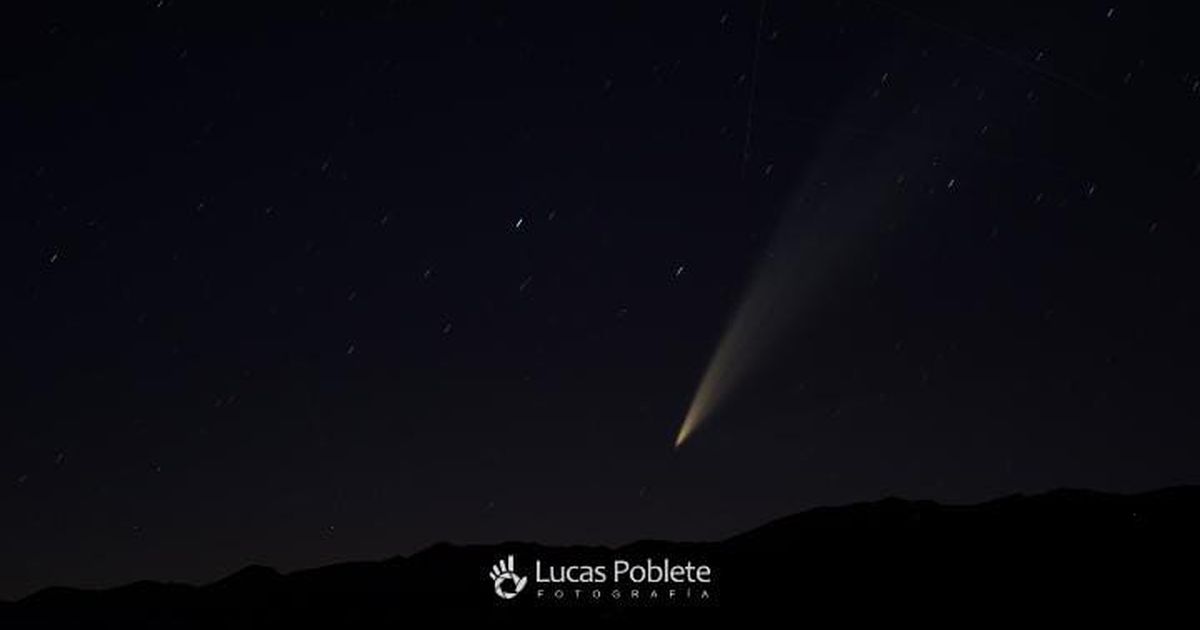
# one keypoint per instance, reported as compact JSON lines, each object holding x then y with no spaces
{"x":300,"y":285}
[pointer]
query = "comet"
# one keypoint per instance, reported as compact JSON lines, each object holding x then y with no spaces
{"x":828,"y":221}
{"x":805,"y":252}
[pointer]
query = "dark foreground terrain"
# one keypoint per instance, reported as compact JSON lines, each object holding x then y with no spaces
{"x":1070,"y":554}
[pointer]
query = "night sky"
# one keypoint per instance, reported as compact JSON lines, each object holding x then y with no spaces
{"x":295,"y":285}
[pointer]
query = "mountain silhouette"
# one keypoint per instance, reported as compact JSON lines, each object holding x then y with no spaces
{"x":1069,"y":553}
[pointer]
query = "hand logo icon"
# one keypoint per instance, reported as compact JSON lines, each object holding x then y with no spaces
{"x":507,"y":583}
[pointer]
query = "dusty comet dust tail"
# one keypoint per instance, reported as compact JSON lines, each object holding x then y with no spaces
{"x":813,"y":245}
{"x":754,"y":327}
